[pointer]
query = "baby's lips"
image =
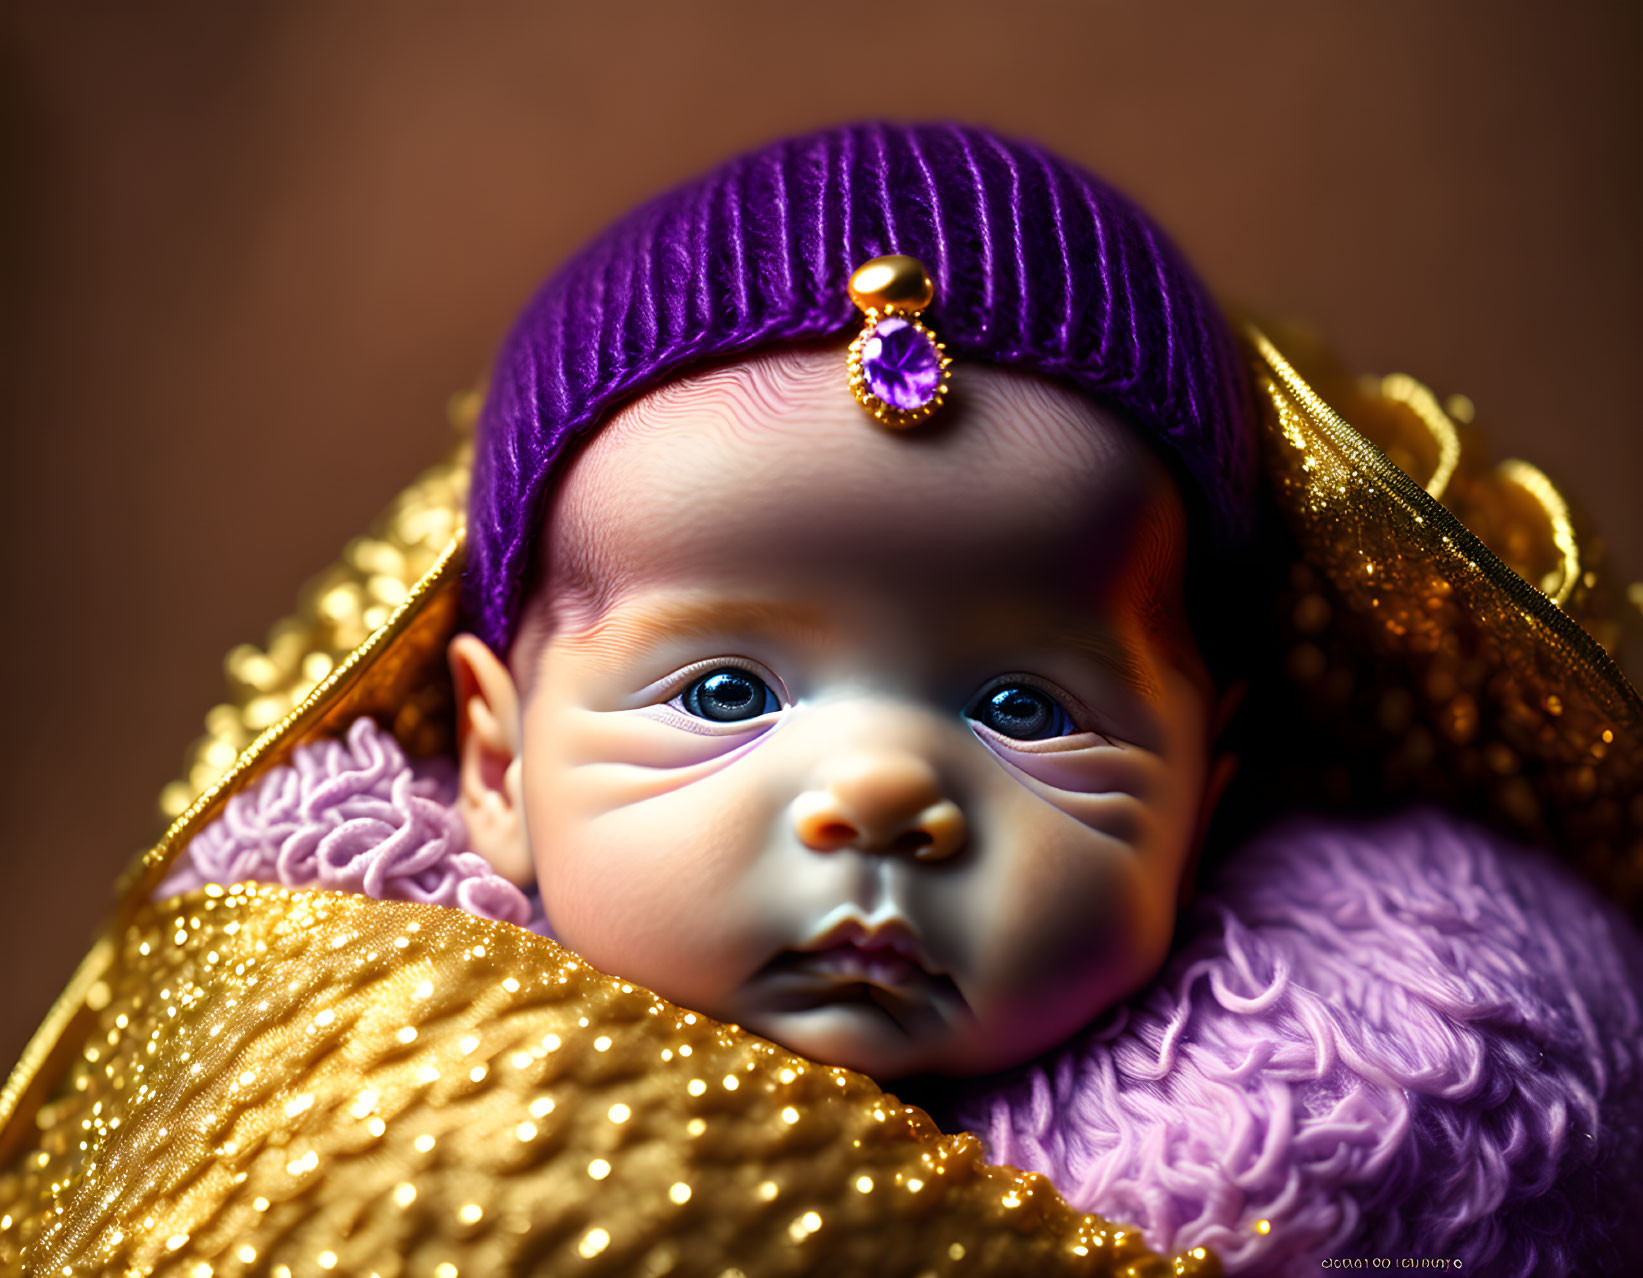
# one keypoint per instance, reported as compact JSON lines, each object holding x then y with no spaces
{"x":852,"y":963}
{"x":849,"y":957}
{"x":893,"y":933}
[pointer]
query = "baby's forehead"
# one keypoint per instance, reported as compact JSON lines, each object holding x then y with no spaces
{"x":770,"y":462}
{"x":799,"y":397}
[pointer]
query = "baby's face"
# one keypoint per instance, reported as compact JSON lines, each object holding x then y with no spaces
{"x":891,"y":748}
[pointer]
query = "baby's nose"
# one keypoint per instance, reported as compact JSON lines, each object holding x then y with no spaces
{"x":880,"y":802}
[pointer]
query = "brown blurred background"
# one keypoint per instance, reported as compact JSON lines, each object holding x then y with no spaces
{"x":250,"y":250}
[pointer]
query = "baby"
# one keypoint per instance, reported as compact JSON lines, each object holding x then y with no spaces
{"x":895,"y":747}
{"x":899,"y":747}
{"x":892,"y":747}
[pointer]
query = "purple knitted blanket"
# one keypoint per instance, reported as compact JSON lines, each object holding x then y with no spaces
{"x":354,"y":816}
{"x":1404,"y":1040}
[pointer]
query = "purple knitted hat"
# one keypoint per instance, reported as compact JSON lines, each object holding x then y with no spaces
{"x":1037,"y":265}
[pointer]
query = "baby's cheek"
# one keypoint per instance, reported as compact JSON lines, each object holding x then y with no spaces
{"x":1123,"y":792}
{"x":592,"y":762}
{"x":644,"y":889}
{"x":1075,"y":910}
{"x":1074,"y":922}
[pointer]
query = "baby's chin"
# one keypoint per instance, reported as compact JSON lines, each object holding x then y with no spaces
{"x":887,"y":1045}
{"x":858,"y":1035}
{"x":889,"y":1041}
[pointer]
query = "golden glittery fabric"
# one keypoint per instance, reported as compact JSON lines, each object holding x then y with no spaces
{"x":311,"y":1082}
{"x":1420,"y":662}
{"x":253,"y":1080}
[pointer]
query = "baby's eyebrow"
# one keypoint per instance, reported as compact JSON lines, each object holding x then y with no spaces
{"x":1113,"y":655}
{"x":645,"y":623}
{"x":1098,"y":644}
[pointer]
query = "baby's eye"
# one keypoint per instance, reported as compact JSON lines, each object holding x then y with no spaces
{"x":729,"y":695}
{"x":1021,"y":712}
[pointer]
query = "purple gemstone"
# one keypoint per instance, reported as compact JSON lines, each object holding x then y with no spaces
{"x":901,"y":364}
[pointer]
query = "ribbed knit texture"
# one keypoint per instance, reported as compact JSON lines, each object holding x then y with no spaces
{"x":1037,"y":265}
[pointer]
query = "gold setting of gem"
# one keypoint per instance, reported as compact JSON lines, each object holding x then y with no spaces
{"x":895,"y":287}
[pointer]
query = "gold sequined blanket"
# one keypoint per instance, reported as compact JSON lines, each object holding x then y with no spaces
{"x":317,"y":1082}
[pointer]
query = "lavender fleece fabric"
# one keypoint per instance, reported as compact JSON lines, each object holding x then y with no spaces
{"x":1037,"y":265}
{"x":1398,"y":1039}
{"x":354,"y":816}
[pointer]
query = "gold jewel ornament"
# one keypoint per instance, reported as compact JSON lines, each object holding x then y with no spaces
{"x":898,"y":368}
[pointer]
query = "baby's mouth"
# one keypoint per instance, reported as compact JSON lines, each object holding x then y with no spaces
{"x":885,"y":968}
{"x":850,"y":963}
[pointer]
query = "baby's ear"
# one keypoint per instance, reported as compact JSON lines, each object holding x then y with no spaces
{"x":1223,"y":766}
{"x":488,"y":736}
